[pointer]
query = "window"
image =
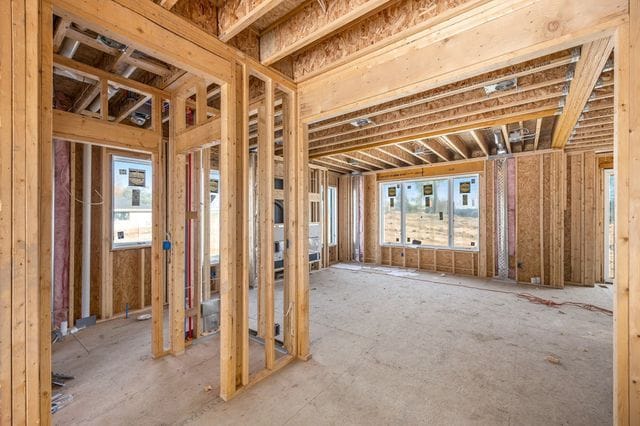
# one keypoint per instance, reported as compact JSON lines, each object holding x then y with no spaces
{"x":466,"y":217}
{"x":131,"y":202}
{"x":391,"y":195}
{"x":333,"y":215}
{"x":440,"y":212}
{"x":214,"y":214}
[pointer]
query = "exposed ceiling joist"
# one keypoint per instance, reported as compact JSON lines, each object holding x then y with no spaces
{"x":436,"y":148}
{"x":456,"y":145}
{"x":237,"y":15}
{"x":481,"y":142}
{"x":60,"y":33}
{"x":410,"y":152}
{"x":536,"y":141}
{"x":505,"y":136}
{"x":594,"y":56}
{"x":310,"y":24}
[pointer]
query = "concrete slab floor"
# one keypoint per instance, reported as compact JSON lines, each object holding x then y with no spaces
{"x":389,"y":347}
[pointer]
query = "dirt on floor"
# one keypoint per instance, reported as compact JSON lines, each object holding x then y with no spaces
{"x":390,"y":346}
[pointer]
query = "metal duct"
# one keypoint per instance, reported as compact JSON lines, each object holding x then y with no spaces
{"x":68,"y":49}
{"x":500,"y":146}
{"x":502,"y":246}
{"x":86,"y":231}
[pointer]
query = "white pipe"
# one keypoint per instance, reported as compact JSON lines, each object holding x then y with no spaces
{"x":86,"y":230}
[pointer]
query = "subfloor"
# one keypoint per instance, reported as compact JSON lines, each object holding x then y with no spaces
{"x":389,"y":347}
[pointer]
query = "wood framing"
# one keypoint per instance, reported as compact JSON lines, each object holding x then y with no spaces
{"x":309,"y":24}
{"x":592,"y":60}
{"x":627,"y":164}
{"x":385,"y":74}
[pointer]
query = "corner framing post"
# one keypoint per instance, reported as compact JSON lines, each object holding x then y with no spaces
{"x":626,"y":389}
{"x":178,"y":213}
{"x":158,"y":218}
{"x":45,"y":191}
{"x":242,"y":223}
{"x":302,"y":240}
{"x":228,"y":243}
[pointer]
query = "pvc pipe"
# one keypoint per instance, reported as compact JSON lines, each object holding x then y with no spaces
{"x":86,"y":231}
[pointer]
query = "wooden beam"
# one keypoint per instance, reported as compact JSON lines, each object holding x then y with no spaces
{"x":309,"y":24}
{"x":148,"y":34}
{"x":114,"y":79}
{"x":593,"y":57}
{"x":436,"y":148}
{"x":505,"y":136}
{"x":432,"y":132}
{"x":481,"y":142}
{"x":404,"y":68}
{"x":60,"y":33}
{"x":457,"y":145}
{"x":410,"y":152}
{"x":131,"y":108}
{"x":237,"y":15}
{"x":204,"y":135}
{"x":77,"y":128}
{"x":536,"y":141}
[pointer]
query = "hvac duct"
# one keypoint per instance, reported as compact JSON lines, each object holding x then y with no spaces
{"x":86,"y":231}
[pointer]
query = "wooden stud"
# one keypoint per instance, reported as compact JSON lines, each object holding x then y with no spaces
{"x":106,"y":255}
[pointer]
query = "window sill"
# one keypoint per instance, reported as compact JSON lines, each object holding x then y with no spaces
{"x":131,"y":247}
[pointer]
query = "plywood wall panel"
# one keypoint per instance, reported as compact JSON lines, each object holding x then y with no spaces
{"x":397,"y":256}
{"x":411,"y":257}
{"x":528,"y":218}
{"x":126,"y":282}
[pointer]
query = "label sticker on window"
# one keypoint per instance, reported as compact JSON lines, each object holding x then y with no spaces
{"x":465,"y":200}
{"x":465,"y":187}
{"x":427,"y":189}
{"x":391,"y":202}
{"x":427,"y":201}
{"x":391,"y":191}
{"x":136,"y":177}
{"x":121,"y":235}
{"x":135,"y":198}
{"x":122,"y":171}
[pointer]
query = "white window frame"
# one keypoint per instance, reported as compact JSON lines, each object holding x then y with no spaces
{"x":332,"y":215}
{"x":129,"y":245}
{"x":403,"y":233}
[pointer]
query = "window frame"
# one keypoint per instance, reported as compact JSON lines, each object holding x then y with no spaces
{"x":131,"y":160}
{"x":450,"y":226}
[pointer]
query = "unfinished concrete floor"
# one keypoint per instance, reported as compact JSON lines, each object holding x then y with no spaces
{"x":389,"y":347}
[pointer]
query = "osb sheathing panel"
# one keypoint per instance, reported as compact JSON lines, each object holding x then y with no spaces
{"x":464,"y":262}
{"x":411,"y":257}
{"x":427,"y":259}
{"x":397,"y":256}
{"x":147,"y":276}
{"x":444,"y":261}
{"x":96,"y":234}
{"x":528,"y":217}
{"x":126,"y":280}
{"x":399,"y":16}
{"x":203,"y":13}
{"x":385,"y":255}
{"x":546,"y":218}
{"x":248,"y":42}
{"x":234,"y":10}
{"x":279,"y":12}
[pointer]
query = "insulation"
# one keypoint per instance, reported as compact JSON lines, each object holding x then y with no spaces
{"x":62,"y":211}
